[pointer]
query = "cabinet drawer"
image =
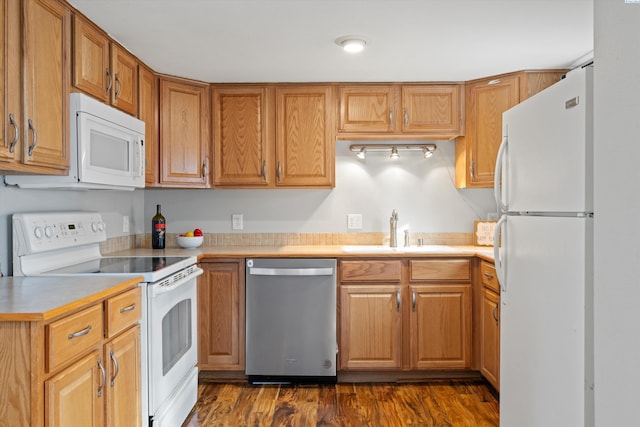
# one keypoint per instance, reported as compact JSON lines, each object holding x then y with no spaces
{"x":73,"y":335}
{"x":452,"y":269}
{"x":370,"y":271}
{"x":489,"y":276}
{"x":122,"y":311}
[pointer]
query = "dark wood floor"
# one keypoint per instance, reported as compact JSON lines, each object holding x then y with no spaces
{"x":374,"y":405}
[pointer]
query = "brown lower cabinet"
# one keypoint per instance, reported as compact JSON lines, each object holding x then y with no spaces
{"x":221,"y":315}
{"x":490,"y":325}
{"x":81,"y":369}
{"x":405,"y":314}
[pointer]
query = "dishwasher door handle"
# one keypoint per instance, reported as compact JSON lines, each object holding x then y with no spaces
{"x":256,"y":271}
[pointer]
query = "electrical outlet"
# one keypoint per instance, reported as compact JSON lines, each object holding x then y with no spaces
{"x":125,"y":224}
{"x":354,"y":221}
{"x":236,"y":221}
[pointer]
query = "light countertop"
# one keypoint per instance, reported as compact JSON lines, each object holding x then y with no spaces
{"x":44,"y":298}
{"x":347,"y":251}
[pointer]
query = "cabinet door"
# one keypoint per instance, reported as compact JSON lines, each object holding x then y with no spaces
{"x":370,"y":326}
{"x":440,"y":326}
{"x":221,"y":316}
{"x":91,"y":71}
{"x":122,"y":359}
{"x":305,"y":150}
{"x":75,"y":396}
{"x":10,"y":108}
{"x":46,"y":84}
{"x":184,"y":134}
{"x":488,"y":100}
{"x":369,"y":109}
{"x":124,"y":94}
{"x":148,"y":113}
{"x":433,"y":109}
{"x":490,"y":342}
{"x":241,"y":137}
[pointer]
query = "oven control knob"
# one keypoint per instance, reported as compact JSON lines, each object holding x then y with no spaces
{"x":94,"y":226}
{"x":101,"y":226}
{"x":38,"y":232}
{"x":48,"y":231}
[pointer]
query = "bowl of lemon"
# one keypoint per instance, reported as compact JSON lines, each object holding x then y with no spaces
{"x":190,"y":239}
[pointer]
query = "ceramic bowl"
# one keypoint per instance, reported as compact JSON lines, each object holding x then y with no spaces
{"x":189,"y":242}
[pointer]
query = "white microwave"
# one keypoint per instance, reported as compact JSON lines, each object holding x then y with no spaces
{"x":107,"y":150}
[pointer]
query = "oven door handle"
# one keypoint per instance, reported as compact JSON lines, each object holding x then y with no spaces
{"x":159,"y":288}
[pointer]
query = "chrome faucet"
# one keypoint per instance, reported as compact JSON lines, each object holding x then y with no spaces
{"x":393,"y":235}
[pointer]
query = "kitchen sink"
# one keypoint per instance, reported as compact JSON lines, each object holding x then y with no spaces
{"x":369,"y":249}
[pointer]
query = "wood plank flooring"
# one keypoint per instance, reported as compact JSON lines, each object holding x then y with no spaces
{"x":350,"y":405}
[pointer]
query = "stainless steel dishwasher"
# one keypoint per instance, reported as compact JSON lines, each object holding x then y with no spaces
{"x":291,"y":320}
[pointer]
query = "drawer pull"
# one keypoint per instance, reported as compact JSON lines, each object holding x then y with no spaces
{"x":85,"y":331}
{"x":495,"y":314}
{"x":413,"y":301}
{"x":116,"y":368}
{"x":489,"y":275}
{"x":128,"y":308}
{"x":398,"y":301}
{"x":104,"y":377}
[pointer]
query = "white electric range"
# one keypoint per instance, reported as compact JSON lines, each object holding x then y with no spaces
{"x":67,"y":244}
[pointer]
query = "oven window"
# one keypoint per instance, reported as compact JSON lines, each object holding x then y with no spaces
{"x":176,"y":334}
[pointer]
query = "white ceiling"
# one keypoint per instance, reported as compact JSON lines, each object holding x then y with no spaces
{"x":293,"y":40}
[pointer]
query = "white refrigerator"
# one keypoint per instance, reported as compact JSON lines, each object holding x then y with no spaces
{"x":544,"y":253}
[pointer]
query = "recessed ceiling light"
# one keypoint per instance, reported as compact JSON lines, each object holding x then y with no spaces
{"x":351,"y":44}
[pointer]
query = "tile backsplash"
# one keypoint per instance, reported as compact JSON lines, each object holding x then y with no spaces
{"x":288,"y":239}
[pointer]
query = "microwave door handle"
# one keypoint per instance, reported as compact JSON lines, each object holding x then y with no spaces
{"x":141,"y":159}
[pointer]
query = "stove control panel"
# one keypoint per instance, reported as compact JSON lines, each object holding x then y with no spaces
{"x":47,"y":231}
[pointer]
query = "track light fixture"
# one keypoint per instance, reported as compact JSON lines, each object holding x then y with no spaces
{"x":361,"y":150}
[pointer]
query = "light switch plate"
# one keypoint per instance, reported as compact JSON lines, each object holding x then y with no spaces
{"x":354,"y":221}
{"x":236,"y":221}
{"x":125,"y":224}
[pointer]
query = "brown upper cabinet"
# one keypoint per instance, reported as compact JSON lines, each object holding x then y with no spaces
{"x":377,"y":111}
{"x":184,"y":134}
{"x":35,"y":105}
{"x":243,"y":136}
{"x":102,"y":68}
{"x":486,"y":100}
{"x":148,"y":113}
{"x":268,"y":136}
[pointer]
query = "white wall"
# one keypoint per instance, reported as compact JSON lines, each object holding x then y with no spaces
{"x":422,"y":190}
{"x":617,"y":212}
{"x":112,"y":204}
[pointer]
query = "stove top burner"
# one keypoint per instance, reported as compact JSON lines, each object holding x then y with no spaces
{"x":119,"y":265}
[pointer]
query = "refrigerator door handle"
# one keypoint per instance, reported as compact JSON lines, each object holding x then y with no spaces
{"x":496,"y":253}
{"x":497,"y":177}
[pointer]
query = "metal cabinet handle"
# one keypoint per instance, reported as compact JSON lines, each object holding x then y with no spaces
{"x":110,"y":83}
{"x":471,"y":170}
{"x":489,"y":275}
{"x":398,"y":301}
{"x":128,"y":308}
{"x":406,"y":118}
{"x":390,"y":117}
{"x":32,"y":128}
{"x":413,"y":301}
{"x":16,"y":133}
{"x":264,"y":170}
{"x":205,"y":168}
{"x":279,"y":172}
{"x":84,"y":331}
{"x":119,"y":87}
{"x":104,"y":377}
{"x":495,"y":314}
{"x":116,"y":368}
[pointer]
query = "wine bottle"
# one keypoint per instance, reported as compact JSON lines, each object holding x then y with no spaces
{"x":158,"y":230}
